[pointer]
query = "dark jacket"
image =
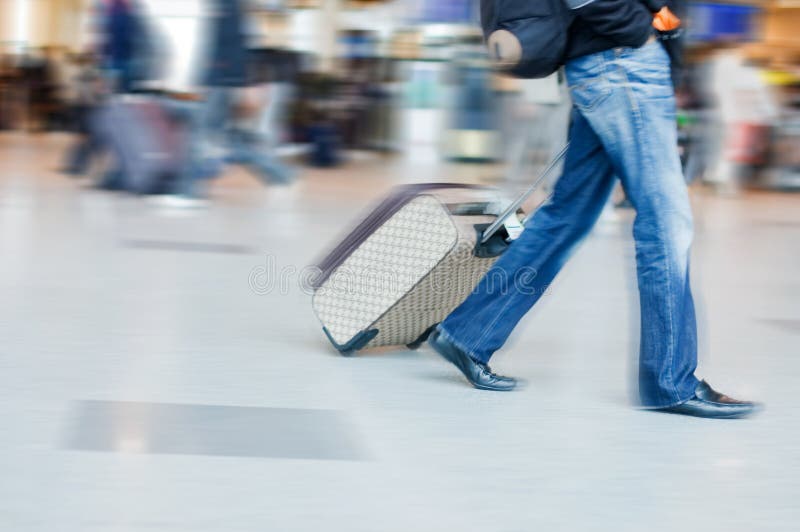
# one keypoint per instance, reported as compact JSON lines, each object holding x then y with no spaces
{"x":228,"y":47}
{"x":604,"y":24}
{"x":129,"y":44}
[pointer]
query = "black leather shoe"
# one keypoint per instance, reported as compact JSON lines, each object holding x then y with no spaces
{"x":709,"y":403}
{"x":477,"y":373}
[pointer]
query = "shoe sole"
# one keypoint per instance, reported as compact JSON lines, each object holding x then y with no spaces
{"x":729,"y":416}
{"x":490,"y":389}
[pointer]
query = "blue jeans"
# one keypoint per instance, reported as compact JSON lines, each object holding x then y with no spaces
{"x":623,"y":125}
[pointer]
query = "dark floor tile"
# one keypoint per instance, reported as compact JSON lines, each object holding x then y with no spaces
{"x":165,"y":428}
{"x":192,"y":247}
{"x":787,"y":325}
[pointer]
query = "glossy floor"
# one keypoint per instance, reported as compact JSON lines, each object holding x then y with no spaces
{"x":152,"y":379}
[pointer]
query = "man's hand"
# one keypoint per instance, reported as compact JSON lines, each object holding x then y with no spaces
{"x":665,"y":20}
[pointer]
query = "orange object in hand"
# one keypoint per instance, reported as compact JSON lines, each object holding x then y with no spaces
{"x":665,"y":20}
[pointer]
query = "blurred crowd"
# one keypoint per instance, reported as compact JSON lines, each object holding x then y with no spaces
{"x":140,"y":132}
{"x":136,"y":132}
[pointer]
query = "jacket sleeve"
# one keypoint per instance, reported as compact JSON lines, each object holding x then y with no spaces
{"x":620,"y":20}
{"x":655,"y":5}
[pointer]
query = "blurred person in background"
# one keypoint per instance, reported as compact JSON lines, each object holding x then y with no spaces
{"x":124,"y":43}
{"x":623,"y":124}
{"x":125,"y":56}
{"x":87,"y":90}
{"x":746,"y":112}
{"x":225,"y":76}
{"x":67,"y":68}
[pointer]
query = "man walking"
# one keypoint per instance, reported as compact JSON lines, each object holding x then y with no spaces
{"x":623,"y":125}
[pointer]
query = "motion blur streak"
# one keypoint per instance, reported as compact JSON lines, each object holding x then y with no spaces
{"x":171,"y":174}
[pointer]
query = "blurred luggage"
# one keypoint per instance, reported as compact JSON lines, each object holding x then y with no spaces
{"x":413,"y":260}
{"x":149,"y":145}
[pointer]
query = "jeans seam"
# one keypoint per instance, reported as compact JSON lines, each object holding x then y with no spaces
{"x":491,"y":324}
{"x":634,"y":105}
{"x":671,"y":312}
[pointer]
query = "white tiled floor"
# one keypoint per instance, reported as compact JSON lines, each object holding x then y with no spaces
{"x":87,"y":316}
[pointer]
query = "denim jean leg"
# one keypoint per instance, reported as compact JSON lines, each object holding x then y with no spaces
{"x":482,"y":324}
{"x":633,"y":112}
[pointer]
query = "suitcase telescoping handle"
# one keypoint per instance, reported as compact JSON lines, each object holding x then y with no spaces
{"x":514,"y":207}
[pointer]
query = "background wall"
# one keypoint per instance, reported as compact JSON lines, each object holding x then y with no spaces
{"x":44,"y":22}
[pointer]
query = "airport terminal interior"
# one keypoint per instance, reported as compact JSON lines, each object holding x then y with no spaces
{"x":162,"y":367}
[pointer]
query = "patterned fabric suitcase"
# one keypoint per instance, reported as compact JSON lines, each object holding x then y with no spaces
{"x":407,"y":266}
{"x":411,"y":262}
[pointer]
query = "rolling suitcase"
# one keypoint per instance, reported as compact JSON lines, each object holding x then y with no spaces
{"x":413,"y":260}
{"x":149,"y":146}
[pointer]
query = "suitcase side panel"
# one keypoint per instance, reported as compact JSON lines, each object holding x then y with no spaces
{"x":434,"y":298}
{"x":385,"y":267}
{"x":383,"y":212}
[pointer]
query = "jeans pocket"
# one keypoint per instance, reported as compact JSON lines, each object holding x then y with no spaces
{"x":589,"y":94}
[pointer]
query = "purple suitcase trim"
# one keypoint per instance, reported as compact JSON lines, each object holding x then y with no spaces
{"x":399,"y":197}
